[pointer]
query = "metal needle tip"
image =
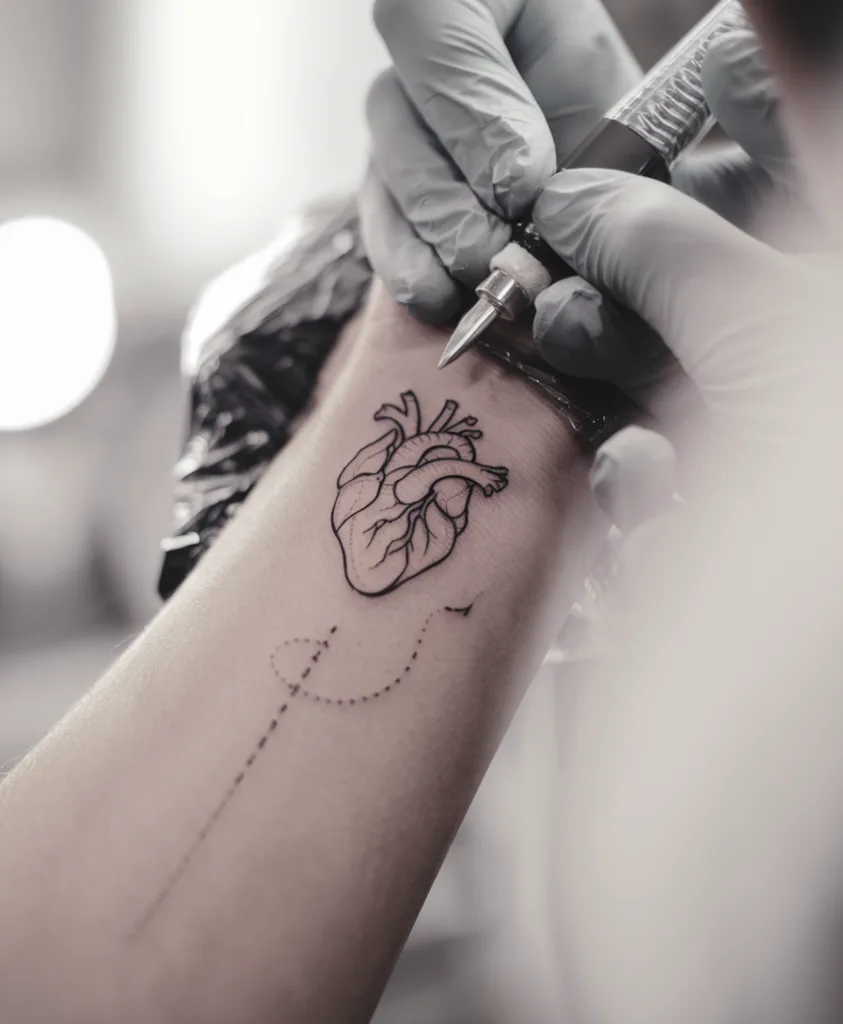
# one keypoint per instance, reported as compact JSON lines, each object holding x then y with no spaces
{"x":482,"y":315}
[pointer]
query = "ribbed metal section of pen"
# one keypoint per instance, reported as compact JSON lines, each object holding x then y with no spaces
{"x":669,"y":110}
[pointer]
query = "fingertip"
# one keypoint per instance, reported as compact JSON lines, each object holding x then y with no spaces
{"x":633,"y":477}
{"x":383,"y":86}
{"x":572,"y":186}
{"x":499,"y":140}
{"x":423,"y":288}
{"x":523,"y":169}
{"x":584,"y":333}
{"x":588,"y":213}
{"x":469,"y":243}
{"x":409,"y":268}
{"x":436,"y":306}
{"x":735,"y":65}
{"x":555,"y":305}
{"x":636,"y":446}
{"x":551,"y":211}
{"x":567,"y":322}
{"x":390,"y":17}
{"x":744,"y":95}
{"x":554,"y":193}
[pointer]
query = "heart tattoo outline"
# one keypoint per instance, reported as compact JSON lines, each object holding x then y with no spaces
{"x":403,"y":500}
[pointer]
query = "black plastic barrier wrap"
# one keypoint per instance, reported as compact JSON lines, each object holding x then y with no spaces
{"x":252,"y":354}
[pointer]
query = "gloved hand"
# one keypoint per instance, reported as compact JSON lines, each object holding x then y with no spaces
{"x":633,"y":480}
{"x":745,"y":322}
{"x":737,"y":180}
{"x":484,"y":101}
{"x":585,"y":334}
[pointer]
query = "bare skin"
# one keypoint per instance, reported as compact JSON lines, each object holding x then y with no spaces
{"x":242,"y":819}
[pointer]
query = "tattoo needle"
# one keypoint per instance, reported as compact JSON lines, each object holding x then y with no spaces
{"x":482,"y":315}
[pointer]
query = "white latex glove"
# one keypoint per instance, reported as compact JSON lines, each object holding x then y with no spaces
{"x":485,"y":99}
{"x":647,"y":236}
{"x":634,"y":480}
{"x":484,"y":102}
{"x":735,"y":313}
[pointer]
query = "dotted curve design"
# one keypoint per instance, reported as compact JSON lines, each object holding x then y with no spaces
{"x":295,"y":690}
{"x":298,"y":689}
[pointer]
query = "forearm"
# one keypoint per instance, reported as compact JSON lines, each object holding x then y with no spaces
{"x":244,"y":817}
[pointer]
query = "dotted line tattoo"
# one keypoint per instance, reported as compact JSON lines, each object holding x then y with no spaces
{"x":298,"y":689}
{"x":295,"y":690}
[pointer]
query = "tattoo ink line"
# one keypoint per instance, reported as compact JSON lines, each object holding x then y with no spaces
{"x":215,"y":815}
{"x":295,"y":690}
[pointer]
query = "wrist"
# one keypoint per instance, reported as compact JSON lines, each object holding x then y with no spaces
{"x":257,"y":373}
{"x":392,"y":350}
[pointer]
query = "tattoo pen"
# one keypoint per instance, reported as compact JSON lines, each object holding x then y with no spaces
{"x":658,"y":120}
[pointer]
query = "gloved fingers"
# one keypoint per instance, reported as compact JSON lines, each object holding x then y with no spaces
{"x":440,"y":206}
{"x":728,"y":181}
{"x":745,"y":97}
{"x":583,"y":333}
{"x":736,"y":187}
{"x":453,"y":58}
{"x":634,"y":480}
{"x":410,"y":269}
{"x":574,"y":62}
{"x":680,"y":267}
{"x":742,"y":181}
{"x":634,"y":477}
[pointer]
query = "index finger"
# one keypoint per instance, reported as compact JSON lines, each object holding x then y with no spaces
{"x":465,"y":64}
{"x":745,"y":97}
{"x":690,"y":275}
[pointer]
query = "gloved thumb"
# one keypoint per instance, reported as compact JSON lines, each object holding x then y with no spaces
{"x":685,"y":271}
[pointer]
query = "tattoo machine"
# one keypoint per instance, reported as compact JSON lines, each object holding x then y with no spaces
{"x":661,"y":118}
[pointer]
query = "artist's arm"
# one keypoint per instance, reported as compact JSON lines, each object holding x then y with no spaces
{"x":243,"y":818}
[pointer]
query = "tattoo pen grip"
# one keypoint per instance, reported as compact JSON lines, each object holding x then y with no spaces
{"x":610,"y":145}
{"x":662,"y":117}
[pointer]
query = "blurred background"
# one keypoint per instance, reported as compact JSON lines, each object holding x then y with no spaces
{"x":145,"y":145}
{"x":173,"y":136}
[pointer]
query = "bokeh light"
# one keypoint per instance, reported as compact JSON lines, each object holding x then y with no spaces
{"x":57,"y":320}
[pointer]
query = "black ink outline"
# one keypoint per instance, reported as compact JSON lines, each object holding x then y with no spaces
{"x":214,"y":817}
{"x":382,"y":480}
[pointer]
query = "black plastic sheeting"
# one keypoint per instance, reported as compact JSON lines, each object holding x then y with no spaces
{"x":253,"y":369}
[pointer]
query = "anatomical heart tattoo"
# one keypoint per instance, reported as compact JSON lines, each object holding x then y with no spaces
{"x":403,"y":500}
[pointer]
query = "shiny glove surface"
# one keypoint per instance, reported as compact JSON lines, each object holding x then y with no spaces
{"x":743,"y":320}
